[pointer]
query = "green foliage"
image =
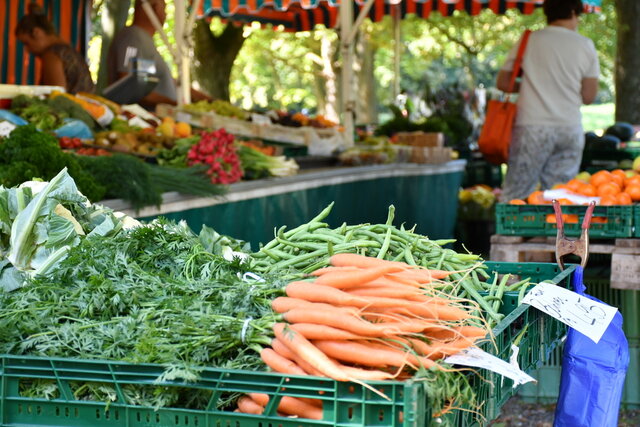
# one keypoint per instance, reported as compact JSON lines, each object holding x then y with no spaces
{"x":28,"y":153}
{"x":150,"y":295}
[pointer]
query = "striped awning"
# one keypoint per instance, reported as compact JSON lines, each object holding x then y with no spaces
{"x":303,"y":15}
{"x":70,"y":18}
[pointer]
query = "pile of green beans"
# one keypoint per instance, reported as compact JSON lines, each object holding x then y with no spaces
{"x":309,"y":246}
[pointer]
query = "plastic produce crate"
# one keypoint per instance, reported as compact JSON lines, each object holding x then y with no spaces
{"x":344,"y":404}
{"x":636,"y":220}
{"x":608,"y":222}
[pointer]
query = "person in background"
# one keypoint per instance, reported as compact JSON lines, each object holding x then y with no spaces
{"x":560,"y":73}
{"x":136,"y":42}
{"x":61,"y":64}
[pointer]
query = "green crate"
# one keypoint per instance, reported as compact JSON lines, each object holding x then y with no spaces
{"x":636,"y":220}
{"x":531,"y":220}
{"x":344,"y":404}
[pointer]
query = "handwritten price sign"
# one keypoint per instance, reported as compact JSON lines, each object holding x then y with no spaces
{"x":589,"y":317}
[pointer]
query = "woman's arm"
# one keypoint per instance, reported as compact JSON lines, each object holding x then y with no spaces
{"x":52,"y":71}
{"x":589,"y":89}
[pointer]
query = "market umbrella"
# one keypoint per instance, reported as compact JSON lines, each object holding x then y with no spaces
{"x":303,"y":15}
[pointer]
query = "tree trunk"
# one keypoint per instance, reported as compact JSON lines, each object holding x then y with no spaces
{"x":113,"y":17}
{"x":366,"y":96}
{"x":330,"y":109}
{"x":214,"y":57}
{"x":628,"y":62}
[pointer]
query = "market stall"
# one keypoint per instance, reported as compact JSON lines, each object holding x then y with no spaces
{"x":251,"y":210}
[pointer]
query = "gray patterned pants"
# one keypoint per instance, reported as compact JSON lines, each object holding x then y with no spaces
{"x":547,"y":155}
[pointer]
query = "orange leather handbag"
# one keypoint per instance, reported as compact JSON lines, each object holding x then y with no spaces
{"x":495,"y":137}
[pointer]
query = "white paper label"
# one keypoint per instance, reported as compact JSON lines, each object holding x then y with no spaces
{"x":181,"y":116}
{"x":260,"y":119}
{"x":586,"y":316}
{"x":473,"y":356}
{"x":6,"y":128}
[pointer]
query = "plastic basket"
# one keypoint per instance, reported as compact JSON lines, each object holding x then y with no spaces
{"x":344,"y":404}
{"x":636,"y":220}
{"x":539,"y":220}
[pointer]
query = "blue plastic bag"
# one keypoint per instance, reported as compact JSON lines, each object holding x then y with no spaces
{"x":592,"y":374}
{"x":74,"y":128}
{"x":12,"y":118}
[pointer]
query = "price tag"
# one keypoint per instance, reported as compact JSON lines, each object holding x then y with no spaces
{"x":586,"y":316}
{"x":181,"y":116}
{"x":6,"y":128}
{"x":260,"y":119}
{"x":473,"y":356}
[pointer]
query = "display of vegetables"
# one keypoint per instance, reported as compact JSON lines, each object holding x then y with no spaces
{"x":216,"y":150}
{"x":218,"y":106}
{"x":354,"y":303}
{"x":257,"y":164}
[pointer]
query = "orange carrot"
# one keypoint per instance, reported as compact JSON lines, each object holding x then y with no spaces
{"x":350,"y":279}
{"x":307,"y":351}
{"x":314,"y":292}
{"x":248,"y":406}
{"x":321,"y":271}
{"x":367,"y":355}
{"x":423,"y":275}
{"x":347,"y":322}
{"x":291,"y":406}
{"x":366,"y":374}
{"x":354,"y":260}
{"x":444,"y":333}
{"x":388,"y":292}
{"x":280,"y":364}
{"x":321,"y":332}
{"x":284,"y":351}
{"x":284,"y":304}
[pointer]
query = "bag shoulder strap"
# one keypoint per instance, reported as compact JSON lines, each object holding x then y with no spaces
{"x":517,"y":64}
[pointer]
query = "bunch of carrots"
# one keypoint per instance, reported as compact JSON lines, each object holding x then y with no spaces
{"x":364,"y":319}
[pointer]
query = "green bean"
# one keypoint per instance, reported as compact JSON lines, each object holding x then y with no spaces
{"x":443,"y":242}
{"x":305,"y":246}
{"x":439,"y":264}
{"x":330,"y":249}
{"x":348,"y":236}
{"x":320,"y":237}
{"x":408,"y":256}
{"x":386,"y":243}
{"x":296,"y":260}
{"x":390,"y":215}
{"x":500,"y":291}
{"x":519,"y":284}
{"x":374,"y":236}
{"x":521,"y":294}
{"x":494,"y":285}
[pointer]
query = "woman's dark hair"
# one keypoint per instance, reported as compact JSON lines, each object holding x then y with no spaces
{"x":35,"y":18}
{"x":561,"y":9}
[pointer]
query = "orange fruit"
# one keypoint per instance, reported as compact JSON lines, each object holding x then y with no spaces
{"x":599,"y":220}
{"x":574,"y":185}
{"x":619,"y":177}
{"x":608,"y":188}
{"x":571,"y":218}
{"x":633,"y":180}
{"x":623,"y":198}
{"x":600,"y":177}
{"x":517,"y":202}
{"x":588,"y":190}
{"x":536,"y":198}
{"x":609,"y":200}
{"x":633,"y":190}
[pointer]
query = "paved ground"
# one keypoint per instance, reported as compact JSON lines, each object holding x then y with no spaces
{"x":517,"y":413}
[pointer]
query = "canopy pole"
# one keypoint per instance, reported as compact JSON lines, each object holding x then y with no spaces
{"x":397,"y":50}
{"x":346,"y":50}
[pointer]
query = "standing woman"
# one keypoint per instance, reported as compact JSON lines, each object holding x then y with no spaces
{"x":560,"y":73}
{"x":61,"y":64}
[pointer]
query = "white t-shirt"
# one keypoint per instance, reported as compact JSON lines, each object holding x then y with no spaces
{"x":555,"y":62}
